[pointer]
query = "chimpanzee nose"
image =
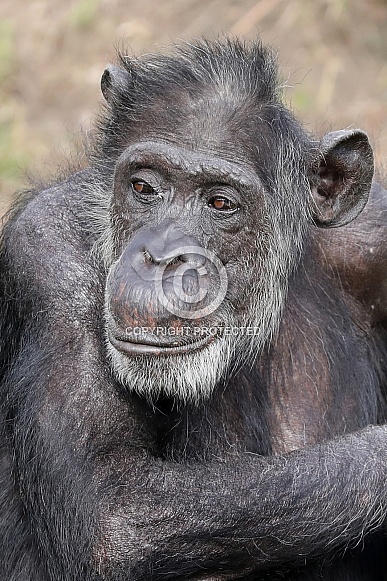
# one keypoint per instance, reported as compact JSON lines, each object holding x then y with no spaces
{"x":173,"y":252}
{"x":155,"y":252}
{"x":170,"y":246}
{"x":158,"y":260}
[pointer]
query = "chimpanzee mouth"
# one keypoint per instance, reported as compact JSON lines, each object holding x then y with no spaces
{"x":135,"y":346}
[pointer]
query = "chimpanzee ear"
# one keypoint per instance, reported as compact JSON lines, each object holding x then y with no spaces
{"x":114,"y":81}
{"x":342,"y":177}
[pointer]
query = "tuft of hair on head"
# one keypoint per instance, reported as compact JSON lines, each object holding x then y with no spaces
{"x":247,"y":68}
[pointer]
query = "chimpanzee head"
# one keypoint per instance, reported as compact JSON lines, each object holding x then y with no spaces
{"x":208,"y":188}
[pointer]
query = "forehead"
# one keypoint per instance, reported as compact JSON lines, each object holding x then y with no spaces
{"x":211,"y":122}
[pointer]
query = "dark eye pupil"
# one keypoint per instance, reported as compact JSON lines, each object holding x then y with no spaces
{"x":220,"y":203}
{"x":141,"y":187}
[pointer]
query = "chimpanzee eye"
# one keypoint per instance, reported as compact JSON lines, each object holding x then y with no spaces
{"x":141,"y":187}
{"x":222,"y":204}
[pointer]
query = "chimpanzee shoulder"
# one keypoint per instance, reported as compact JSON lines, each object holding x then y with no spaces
{"x":46,"y":242}
{"x":356,"y":255}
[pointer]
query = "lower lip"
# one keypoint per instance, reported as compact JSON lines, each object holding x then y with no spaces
{"x":130,"y":348}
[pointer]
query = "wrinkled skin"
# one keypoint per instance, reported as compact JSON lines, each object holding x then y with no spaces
{"x":197,"y":456}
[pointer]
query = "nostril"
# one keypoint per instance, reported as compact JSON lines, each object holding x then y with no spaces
{"x":147,"y":256}
{"x":175,"y":260}
{"x":166,"y":260}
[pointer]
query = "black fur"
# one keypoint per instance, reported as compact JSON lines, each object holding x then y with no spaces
{"x":98,"y":483}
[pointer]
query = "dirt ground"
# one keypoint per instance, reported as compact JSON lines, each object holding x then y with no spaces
{"x":333,"y":55}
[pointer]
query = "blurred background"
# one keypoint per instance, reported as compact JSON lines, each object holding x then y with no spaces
{"x":333,"y":55}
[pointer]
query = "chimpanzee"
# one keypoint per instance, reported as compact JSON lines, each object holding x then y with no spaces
{"x":191,"y":353}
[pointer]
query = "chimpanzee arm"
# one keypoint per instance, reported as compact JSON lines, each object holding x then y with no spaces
{"x":244,"y":514}
{"x":95,"y":496}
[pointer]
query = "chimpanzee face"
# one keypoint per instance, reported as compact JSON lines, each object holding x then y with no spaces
{"x":208,"y":214}
{"x":192,"y":264}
